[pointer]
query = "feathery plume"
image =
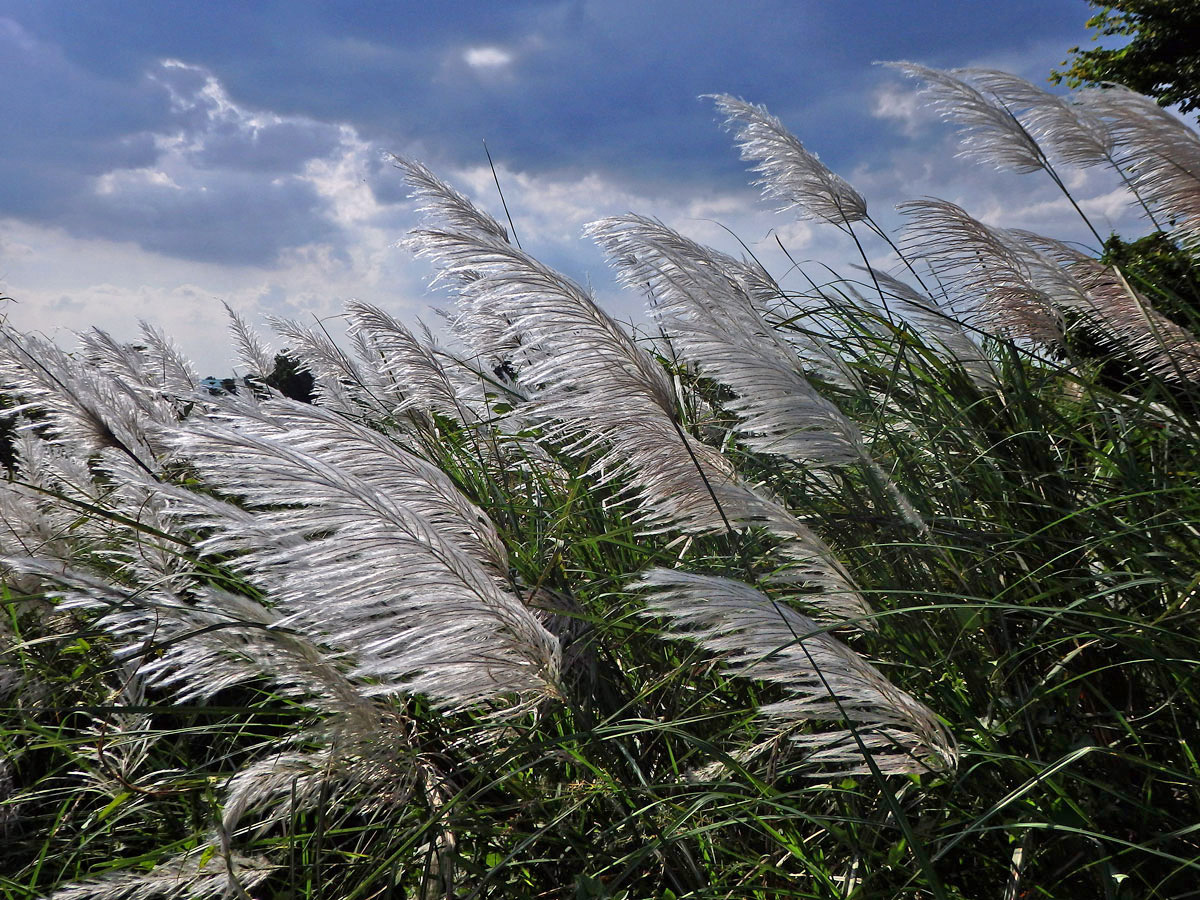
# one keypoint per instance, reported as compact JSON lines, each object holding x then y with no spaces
{"x":439,"y":202}
{"x":713,"y":321}
{"x":380,"y":462}
{"x":591,"y":381}
{"x":1121,"y":316}
{"x":340,"y":382}
{"x":1160,"y":153}
{"x":412,"y":364}
{"x":398,"y":569}
{"x":678,"y":275}
{"x":196,"y":875}
{"x":596,"y":388}
{"x":90,"y":410}
{"x":995,"y":277}
{"x":165,"y":364}
{"x":993,"y":133}
{"x":826,"y":681}
{"x":790,"y":172}
{"x":253,"y":354}
{"x":1077,"y":135}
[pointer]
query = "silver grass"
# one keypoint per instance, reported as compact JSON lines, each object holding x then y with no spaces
{"x":1121,"y":316}
{"x":995,"y":278}
{"x":90,"y":410}
{"x":214,"y":640}
{"x":474,"y":380}
{"x":378,"y":578}
{"x":378,"y":461}
{"x":197,"y":875}
{"x":255,"y":356}
{"x":1073,"y":132}
{"x":554,"y":314}
{"x":594,"y":384}
{"x":937,"y":328}
{"x":339,"y":381}
{"x":1160,"y":154}
{"x":826,"y":681}
{"x":441,"y":203}
{"x":117,"y":520}
{"x":764,"y":291}
{"x":993,"y":134}
{"x":598,"y":390}
{"x":29,"y":527}
{"x":59,"y":511}
{"x":155,"y":365}
{"x":223,"y":640}
{"x":714,"y":324}
{"x":291,"y":782}
{"x":413,"y":364}
{"x":110,"y":356}
{"x":490,"y":335}
{"x":687,"y":281}
{"x":115,"y":751}
{"x":217,"y":640}
{"x":501,"y":648}
{"x":365,"y":772}
{"x":790,"y":172}
{"x":165,"y":364}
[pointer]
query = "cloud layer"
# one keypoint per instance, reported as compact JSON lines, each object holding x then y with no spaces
{"x":162,"y":157}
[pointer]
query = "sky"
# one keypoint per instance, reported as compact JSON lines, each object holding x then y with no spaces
{"x":161,"y":157}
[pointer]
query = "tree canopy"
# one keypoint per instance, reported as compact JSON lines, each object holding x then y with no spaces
{"x":1161,"y":59}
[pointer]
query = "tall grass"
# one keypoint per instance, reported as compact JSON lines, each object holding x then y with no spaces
{"x":876,"y":589}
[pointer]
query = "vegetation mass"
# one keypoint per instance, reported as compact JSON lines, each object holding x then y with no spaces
{"x":883,"y":586}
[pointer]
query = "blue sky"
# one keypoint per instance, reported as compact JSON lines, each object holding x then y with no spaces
{"x":162,"y":156}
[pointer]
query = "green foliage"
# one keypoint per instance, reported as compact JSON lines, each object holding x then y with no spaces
{"x":1155,"y":265}
{"x":1167,"y":276}
{"x":290,"y":378}
{"x":1161,"y":58}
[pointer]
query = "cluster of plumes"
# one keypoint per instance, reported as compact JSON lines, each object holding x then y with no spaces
{"x":595,"y":390}
{"x":1018,"y":285}
{"x":824,"y":680}
{"x":705,"y":301}
{"x":1159,"y":154}
{"x":322,"y":513}
{"x":991,"y":279}
{"x":253,"y":540}
{"x":319,"y":550}
{"x":592,"y":387}
{"x":793,"y":173}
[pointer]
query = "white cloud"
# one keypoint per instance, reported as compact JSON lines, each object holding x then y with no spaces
{"x":487,"y":57}
{"x":113,"y":285}
{"x":900,"y":104}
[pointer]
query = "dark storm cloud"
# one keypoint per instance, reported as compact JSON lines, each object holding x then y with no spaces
{"x":63,"y":125}
{"x":80,"y":147}
{"x":232,"y":217}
